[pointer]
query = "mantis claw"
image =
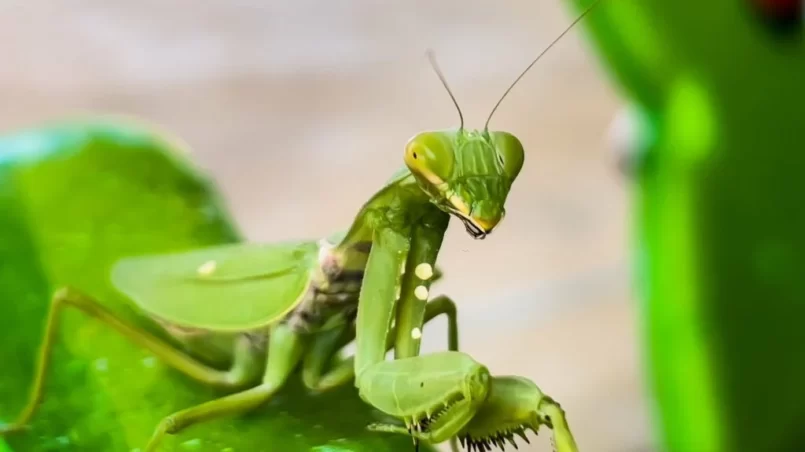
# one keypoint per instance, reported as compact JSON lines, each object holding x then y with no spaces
{"x":505,"y":407}
{"x":448,"y":390}
{"x":514,"y":405}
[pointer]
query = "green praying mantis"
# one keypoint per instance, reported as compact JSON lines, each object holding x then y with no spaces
{"x":270,"y":309}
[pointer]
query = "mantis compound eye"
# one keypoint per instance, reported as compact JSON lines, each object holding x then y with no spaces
{"x":510,"y":151}
{"x":430,"y":155}
{"x":782,"y":16}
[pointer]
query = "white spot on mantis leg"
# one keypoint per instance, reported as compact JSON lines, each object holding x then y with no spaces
{"x":421,"y":292}
{"x":207,"y":268}
{"x":424,"y":271}
{"x":416,"y":333}
{"x":397,"y":294}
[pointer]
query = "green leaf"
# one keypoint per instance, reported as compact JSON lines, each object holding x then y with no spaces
{"x":74,"y":198}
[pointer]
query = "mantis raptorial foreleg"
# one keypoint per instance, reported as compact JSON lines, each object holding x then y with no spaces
{"x":244,"y":369}
{"x":514,"y":406}
{"x":394,"y":289}
{"x":328,"y":343}
{"x":378,"y":296}
{"x":410,"y":387}
{"x":439,"y":396}
{"x":426,"y":240}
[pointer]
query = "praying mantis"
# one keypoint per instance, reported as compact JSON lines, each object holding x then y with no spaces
{"x":273,"y":308}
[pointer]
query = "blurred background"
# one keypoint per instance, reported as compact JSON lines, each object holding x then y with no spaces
{"x":300,"y":111}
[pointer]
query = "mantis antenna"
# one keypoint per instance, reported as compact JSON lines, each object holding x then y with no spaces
{"x":435,"y":66}
{"x":581,"y":16}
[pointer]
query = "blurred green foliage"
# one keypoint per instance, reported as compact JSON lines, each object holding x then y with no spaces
{"x":716,"y":92}
{"x":75,"y":197}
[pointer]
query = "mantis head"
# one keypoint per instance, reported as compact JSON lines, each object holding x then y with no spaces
{"x":467,"y":173}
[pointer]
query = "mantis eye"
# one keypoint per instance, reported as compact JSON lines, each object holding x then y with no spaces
{"x":510,"y":151}
{"x":430,"y":156}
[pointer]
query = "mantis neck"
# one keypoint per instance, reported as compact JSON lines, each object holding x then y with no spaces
{"x":399,"y":203}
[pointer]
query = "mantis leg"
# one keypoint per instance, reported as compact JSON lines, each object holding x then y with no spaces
{"x":397,"y":278}
{"x":330,"y":341}
{"x":450,"y":384}
{"x":284,"y":353}
{"x":445,"y":305}
{"x":242,"y":369}
{"x":445,"y":388}
{"x":319,"y":356}
{"x":426,"y":240}
{"x":514,"y":406}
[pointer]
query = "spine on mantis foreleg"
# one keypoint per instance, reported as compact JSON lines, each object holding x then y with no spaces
{"x":426,"y":241}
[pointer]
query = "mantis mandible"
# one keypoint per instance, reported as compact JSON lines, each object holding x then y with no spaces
{"x":273,"y":308}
